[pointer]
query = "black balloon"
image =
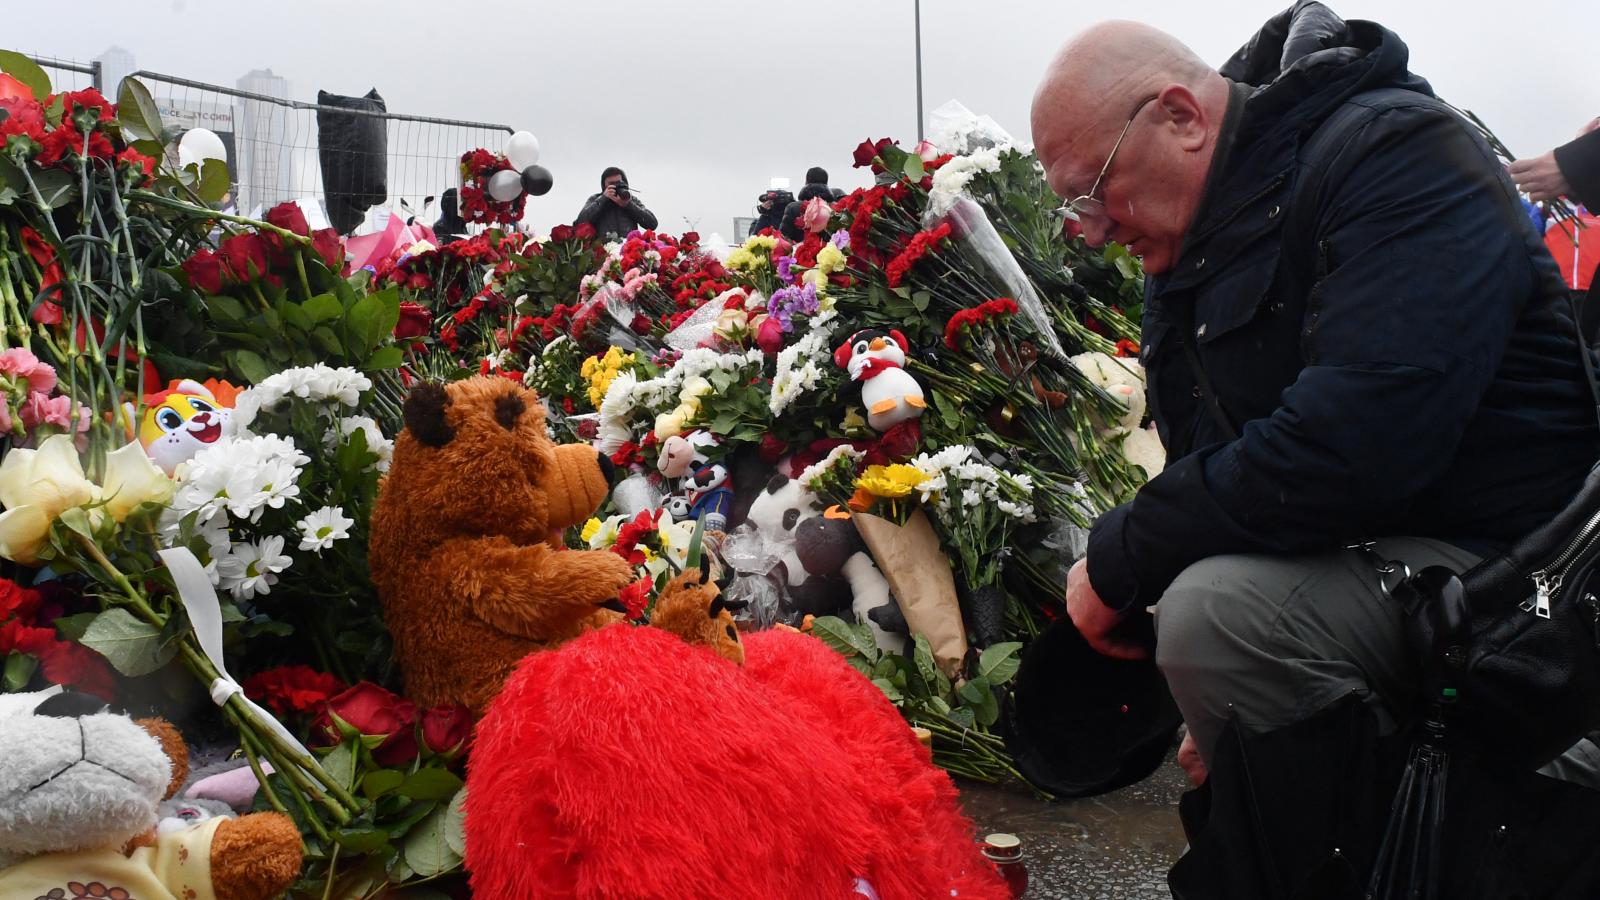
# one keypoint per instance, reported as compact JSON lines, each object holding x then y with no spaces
{"x":537,"y":180}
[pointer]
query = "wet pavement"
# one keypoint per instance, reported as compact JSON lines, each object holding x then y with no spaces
{"x":1114,"y":847}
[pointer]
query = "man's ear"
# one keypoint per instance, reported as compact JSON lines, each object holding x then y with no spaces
{"x":1186,"y":115}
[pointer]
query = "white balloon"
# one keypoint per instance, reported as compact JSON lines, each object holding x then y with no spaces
{"x":203,"y":144}
{"x":185,"y":157}
{"x":505,"y":185}
{"x":522,"y":149}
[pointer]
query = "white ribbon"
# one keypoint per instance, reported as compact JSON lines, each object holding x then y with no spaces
{"x":205,"y":614}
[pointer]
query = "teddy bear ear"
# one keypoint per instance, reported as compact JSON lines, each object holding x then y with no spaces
{"x":508,"y":408}
{"x":424,"y":415}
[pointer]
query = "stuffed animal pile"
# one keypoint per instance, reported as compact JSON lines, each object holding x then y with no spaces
{"x":1123,"y":379}
{"x":80,"y":790}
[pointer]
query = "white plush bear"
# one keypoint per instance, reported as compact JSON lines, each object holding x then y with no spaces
{"x":1123,"y":379}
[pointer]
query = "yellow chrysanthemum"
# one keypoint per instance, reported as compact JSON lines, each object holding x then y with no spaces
{"x":761,"y":242}
{"x":590,"y":529}
{"x":891,"y":482}
{"x":740,"y":259}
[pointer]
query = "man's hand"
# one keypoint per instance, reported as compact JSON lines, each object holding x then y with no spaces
{"x":1095,"y":620}
{"x":1593,"y":124}
{"x":611,"y":194}
{"x":1540,"y":178}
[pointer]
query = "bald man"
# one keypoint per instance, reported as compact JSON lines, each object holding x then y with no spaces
{"x":1352,"y":339}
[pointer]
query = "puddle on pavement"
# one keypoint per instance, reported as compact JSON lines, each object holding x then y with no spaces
{"x":1114,"y":847}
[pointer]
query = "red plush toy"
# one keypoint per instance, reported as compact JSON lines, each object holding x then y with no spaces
{"x":629,"y":763}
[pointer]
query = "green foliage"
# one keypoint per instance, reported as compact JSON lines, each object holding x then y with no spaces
{"x":26,"y":71}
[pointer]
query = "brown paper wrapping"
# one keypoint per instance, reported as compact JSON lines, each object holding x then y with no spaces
{"x":919,"y":573}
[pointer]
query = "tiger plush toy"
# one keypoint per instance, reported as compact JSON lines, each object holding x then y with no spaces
{"x":180,"y":420}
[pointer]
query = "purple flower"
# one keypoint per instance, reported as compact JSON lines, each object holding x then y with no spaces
{"x":785,"y":264}
{"x":841,"y":239}
{"x":786,"y":303}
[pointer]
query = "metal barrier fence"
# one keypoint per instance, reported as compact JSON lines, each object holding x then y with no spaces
{"x":273,"y":148}
{"x":68,"y":75}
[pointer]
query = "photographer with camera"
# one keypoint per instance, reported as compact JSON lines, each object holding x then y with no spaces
{"x":771,"y":204}
{"x":615,"y":211}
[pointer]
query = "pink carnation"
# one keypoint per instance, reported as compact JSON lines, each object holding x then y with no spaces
{"x":18,"y":363}
{"x":40,"y":409}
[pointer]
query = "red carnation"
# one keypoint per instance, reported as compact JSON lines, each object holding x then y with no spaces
{"x":66,"y":139}
{"x":16,"y":600}
{"x":48,"y":312}
{"x":89,"y":100}
{"x":446,"y":729}
{"x":137,"y":162}
{"x":292,"y":689}
{"x":289,"y":217}
{"x":635,"y":597}
{"x":415,"y":321}
{"x":1126,"y":347}
{"x":76,"y":666}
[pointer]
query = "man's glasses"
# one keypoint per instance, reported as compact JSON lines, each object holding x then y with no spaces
{"x":1088,"y":205}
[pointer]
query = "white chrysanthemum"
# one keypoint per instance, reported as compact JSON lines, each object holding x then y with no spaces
{"x":321,"y":384}
{"x":376,"y":442}
{"x":799,"y":366}
{"x":243,"y":475}
{"x":320,"y":529}
{"x":952,"y":178}
{"x":815,"y":470}
{"x":252,"y":568}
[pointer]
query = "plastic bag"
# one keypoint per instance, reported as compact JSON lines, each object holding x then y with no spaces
{"x":696,"y":330}
{"x":955,"y":129}
{"x":977,"y":233}
{"x":634,"y":495}
{"x":354,"y":154}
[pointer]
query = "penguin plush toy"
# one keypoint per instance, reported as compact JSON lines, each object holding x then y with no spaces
{"x":876,"y":359}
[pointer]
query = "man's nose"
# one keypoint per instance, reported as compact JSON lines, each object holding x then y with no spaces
{"x":1095,"y":230}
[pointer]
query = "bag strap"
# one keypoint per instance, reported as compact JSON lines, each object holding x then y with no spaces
{"x":1585,"y":314}
{"x":1203,"y":381}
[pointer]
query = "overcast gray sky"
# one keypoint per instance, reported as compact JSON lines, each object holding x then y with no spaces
{"x":703,"y":101}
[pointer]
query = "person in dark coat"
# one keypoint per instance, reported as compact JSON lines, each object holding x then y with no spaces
{"x":1360,"y":340}
{"x":772,"y":206}
{"x":616,"y":210}
{"x":1570,"y":170}
{"x":449,"y":226}
{"x":816,"y":186}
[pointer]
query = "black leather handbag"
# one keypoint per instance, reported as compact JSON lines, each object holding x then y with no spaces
{"x":1517,"y":639}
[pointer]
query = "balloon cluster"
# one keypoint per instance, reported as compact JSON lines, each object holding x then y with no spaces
{"x":494,"y":186}
{"x":522,"y":151}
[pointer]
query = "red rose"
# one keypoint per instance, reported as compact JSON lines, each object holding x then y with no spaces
{"x":415,"y":321}
{"x":769,"y":335}
{"x":289,"y":217}
{"x":16,"y":600}
{"x":868,"y":150}
{"x":640,"y":324}
{"x":897,"y":444}
{"x":205,"y":273}
{"x":561,"y":233}
{"x":772,"y":448}
{"x":330,"y":247}
{"x":371,"y":710}
{"x":292,"y":689}
{"x":445,"y":729}
{"x":635,"y":597}
{"x":584,"y":232}
{"x":25,"y":115}
{"x":244,"y":256}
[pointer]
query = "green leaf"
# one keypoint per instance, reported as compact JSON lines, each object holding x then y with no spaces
{"x":427,"y":847}
{"x":72,"y":627}
{"x":373,"y":317}
{"x":323,"y":308}
{"x":455,"y":822}
{"x":963,"y":717}
{"x":921,"y":299}
{"x":214,"y":181}
{"x":18,"y":669}
{"x":922,"y":655}
{"x":137,"y":114}
{"x":889,"y":690}
{"x":913,"y":167}
{"x":328,"y":341}
{"x":26,"y":71}
{"x":381,"y":782}
{"x":978,"y":696}
{"x":429,"y":784}
{"x":295,"y":315}
{"x":250,"y":366}
{"x":340,"y":763}
{"x":846,"y":639}
{"x":56,"y":186}
{"x":361,"y":839}
{"x":132,"y":647}
{"x":386,"y":358}
{"x":1000,"y":662}
{"x":225,"y":309}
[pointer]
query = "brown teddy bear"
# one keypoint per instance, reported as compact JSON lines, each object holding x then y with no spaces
{"x":79,"y":795}
{"x":466,"y":547}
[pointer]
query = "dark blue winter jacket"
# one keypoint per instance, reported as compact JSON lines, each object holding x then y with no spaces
{"x":1375,"y":317}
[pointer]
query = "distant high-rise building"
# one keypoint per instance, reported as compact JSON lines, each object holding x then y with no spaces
{"x":265,"y":172}
{"x":115,"y":65}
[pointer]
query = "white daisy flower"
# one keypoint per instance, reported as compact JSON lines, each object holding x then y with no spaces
{"x":320,"y":529}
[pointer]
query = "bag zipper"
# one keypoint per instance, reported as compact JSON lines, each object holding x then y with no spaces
{"x":1547,"y":580}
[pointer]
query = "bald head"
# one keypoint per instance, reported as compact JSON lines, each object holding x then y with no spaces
{"x":1125,"y":75}
{"x":1096,"y":78}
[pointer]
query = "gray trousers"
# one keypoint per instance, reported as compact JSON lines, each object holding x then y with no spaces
{"x":1273,"y":640}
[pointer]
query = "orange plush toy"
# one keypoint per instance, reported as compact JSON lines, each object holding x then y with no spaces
{"x":466,"y":545}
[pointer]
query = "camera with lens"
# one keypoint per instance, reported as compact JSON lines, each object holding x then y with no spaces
{"x":621,"y":188}
{"x":780,"y":198}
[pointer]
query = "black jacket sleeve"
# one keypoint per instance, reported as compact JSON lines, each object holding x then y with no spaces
{"x":641,"y":216}
{"x":1426,"y":277}
{"x":1580,"y":164}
